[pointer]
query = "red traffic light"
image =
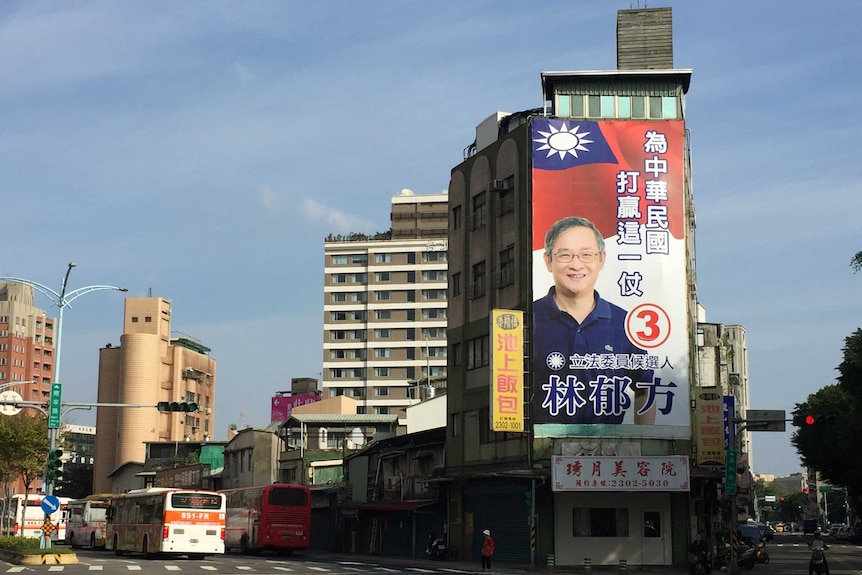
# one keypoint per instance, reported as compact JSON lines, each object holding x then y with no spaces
{"x":809,"y":420}
{"x":781,"y":499}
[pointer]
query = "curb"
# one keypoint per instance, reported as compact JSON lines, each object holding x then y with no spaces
{"x":38,"y":558}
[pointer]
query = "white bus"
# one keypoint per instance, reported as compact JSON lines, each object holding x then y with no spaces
{"x":86,"y":523}
{"x":166,"y":520}
{"x":27,"y":520}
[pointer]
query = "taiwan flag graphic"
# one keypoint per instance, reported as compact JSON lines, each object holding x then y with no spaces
{"x":577,"y":165}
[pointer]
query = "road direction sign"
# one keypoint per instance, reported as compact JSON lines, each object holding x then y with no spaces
{"x":730,"y":472}
{"x":769,"y":498}
{"x":7,"y":402}
{"x":50,"y":504}
{"x":825,"y":489}
{"x":54,"y":406}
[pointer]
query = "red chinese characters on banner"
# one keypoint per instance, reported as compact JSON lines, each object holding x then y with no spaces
{"x":507,"y":389}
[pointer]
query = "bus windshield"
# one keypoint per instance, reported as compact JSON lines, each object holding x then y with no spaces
{"x":287,"y":496}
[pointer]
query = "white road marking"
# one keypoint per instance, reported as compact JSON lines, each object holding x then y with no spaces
{"x":208,"y":568}
{"x":97,"y":567}
{"x":173,"y":567}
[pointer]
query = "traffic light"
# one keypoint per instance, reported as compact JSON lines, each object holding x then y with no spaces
{"x":54,"y":471}
{"x":809,"y":419}
{"x":184,"y":406}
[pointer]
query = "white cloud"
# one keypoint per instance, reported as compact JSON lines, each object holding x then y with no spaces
{"x":335,"y":220}
{"x":269,"y":199}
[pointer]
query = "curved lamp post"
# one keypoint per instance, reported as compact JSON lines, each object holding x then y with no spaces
{"x":61,"y":300}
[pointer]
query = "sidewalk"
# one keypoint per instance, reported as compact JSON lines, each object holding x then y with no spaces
{"x":498,"y":567}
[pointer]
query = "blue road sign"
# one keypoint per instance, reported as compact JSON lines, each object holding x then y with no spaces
{"x":50,"y":504}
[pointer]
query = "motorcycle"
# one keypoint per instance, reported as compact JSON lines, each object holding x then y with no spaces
{"x":760,"y":554}
{"x":818,"y":559}
{"x":696,"y":562}
{"x":746,"y":559}
{"x":436,"y":548}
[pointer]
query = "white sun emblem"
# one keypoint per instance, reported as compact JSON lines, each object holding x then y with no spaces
{"x":556,"y":360}
{"x":563,"y":141}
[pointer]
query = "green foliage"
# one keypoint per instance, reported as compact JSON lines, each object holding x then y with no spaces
{"x":832,"y":449}
{"x":77,"y":482}
{"x":18,"y":544}
{"x":856,"y":262}
{"x":23,"y":447}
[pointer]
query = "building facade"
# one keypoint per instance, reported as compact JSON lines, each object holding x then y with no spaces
{"x":598,"y":466}
{"x":26,"y":343}
{"x":385,"y":306}
{"x":151,"y":365}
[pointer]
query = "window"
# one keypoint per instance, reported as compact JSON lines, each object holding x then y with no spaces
{"x":652,"y":524}
{"x":134,"y":320}
{"x":360,"y":315}
{"x":359,"y":259}
{"x":339,"y":278}
{"x":382,"y":352}
{"x":384,"y":295}
{"x":456,"y":284}
{"x":435,"y":257}
{"x":638,"y":107}
{"x":339,"y":315}
{"x":338,"y":260}
{"x":478,"y":352}
{"x":339,"y":296}
{"x":655,"y":107}
{"x":434,"y":294}
{"x":337,"y":354}
{"x":607,"y":106}
{"x":507,"y":201}
{"x":357,"y":354}
{"x":382,"y":372}
{"x":383,"y":314}
{"x":624,"y":107}
{"x":456,"y":217}
{"x":433,"y":314}
{"x":359,"y":278}
{"x":360,"y":373}
{"x":383,"y":258}
{"x":455,"y":424}
{"x":668,"y":108}
{"x":431,"y":332}
{"x":382,"y":277}
{"x":359,"y":296}
{"x":381,"y":391}
{"x":336,"y":373}
{"x":480,"y":211}
{"x":381,"y":410}
{"x":478,"y":281}
{"x":507,"y":267}
{"x":359,"y":334}
{"x":594,"y":106}
{"x":338,"y":334}
{"x":430,"y":276}
{"x":382,"y":334}
{"x":564,"y":105}
{"x":600,"y":522}
{"x":148,"y":319}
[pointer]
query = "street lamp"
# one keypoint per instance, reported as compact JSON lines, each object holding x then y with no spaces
{"x":61,"y":300}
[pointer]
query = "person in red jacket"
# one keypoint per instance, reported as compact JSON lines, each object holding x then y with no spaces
{"x":487,"y":550}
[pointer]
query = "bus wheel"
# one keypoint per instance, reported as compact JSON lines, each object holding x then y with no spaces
{"x":145,"y":548}
{"x":93,"y":540}
{"x":117,"y":549}
{"x":243,"y":545}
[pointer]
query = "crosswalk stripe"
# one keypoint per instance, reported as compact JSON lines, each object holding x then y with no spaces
{"x":15,"y":569}
{"x":173,"y":567}
{"x":133,"y":567}
{"x":244,"y":568}
{"x":387,"y":569}
{"x":317,"y":568}
{"x":97,"y":567}
{"x":208,"y":568}
{"x":55,"y":568}
{"x":282,"y":568}
{"x":420,"y":570}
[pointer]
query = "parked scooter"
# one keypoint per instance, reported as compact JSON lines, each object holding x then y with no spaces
{"x":760,"y":553}
{"x":746,"y":559}
{"x":436,"y":548}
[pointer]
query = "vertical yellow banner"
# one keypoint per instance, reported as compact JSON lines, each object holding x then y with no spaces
{"x":507,"y":376}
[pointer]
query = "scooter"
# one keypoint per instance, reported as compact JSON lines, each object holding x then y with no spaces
{"x":746,"y":559}
{"x":436,"y":548}
{"x":818,"y":558}
{"x":760,"y":554}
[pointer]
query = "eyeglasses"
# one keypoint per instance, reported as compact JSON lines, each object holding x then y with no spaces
{"x":584,"y":257}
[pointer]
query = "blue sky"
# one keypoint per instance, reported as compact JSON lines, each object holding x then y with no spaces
{"x":203,"y":150}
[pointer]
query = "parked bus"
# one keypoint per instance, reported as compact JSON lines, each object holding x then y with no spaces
{"x":27,"y":520}
{"x":273,"y":517}
{"x":86,"y":523}
{"x":166,"y":520}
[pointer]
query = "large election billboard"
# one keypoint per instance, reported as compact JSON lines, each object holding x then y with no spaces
{"x":610,"y":312}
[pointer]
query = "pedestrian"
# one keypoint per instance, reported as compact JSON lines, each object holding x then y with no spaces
{"x":487,"y":550}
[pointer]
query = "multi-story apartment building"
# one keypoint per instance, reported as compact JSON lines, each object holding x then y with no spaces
{"x":78,"y":444}
{"x":384,"y":308}
{"x":595,"y":457}
{"x":26,"y":343}
{"x":152,"y":364}
{"x":26,"y":349}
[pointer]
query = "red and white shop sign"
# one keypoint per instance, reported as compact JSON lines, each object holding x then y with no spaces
{"x":588,"y":473}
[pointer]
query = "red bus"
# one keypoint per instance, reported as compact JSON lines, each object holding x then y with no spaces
{"x":273,"y":517}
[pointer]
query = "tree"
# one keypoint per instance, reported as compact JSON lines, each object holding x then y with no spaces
{"x":856,"y":262}
{"x":830,"y":449}
{"x":23,"y":450}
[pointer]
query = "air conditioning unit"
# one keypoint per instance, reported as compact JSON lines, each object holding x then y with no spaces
{"x":499,"y":185}
{"x":209,"y":410}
